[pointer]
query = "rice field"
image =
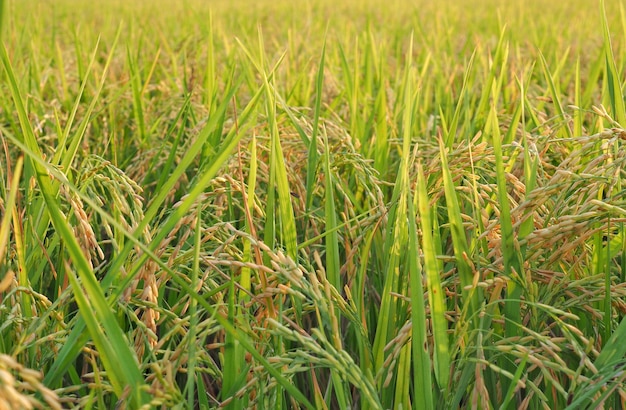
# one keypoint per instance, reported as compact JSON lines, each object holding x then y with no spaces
{"x":312,"y":204}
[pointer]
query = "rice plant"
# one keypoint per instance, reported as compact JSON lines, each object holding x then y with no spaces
{"x":279,"y":205}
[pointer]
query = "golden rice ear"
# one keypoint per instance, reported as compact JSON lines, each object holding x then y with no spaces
{"x":19,"y":382}
{"x":7,"y":281}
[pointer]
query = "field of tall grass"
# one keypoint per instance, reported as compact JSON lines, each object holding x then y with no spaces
{"x":313,"y":204}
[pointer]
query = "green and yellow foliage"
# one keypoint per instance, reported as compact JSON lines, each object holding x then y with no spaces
{"x":312,"y":204}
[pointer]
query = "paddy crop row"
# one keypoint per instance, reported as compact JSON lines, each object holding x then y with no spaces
{"x":312,"y":205}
